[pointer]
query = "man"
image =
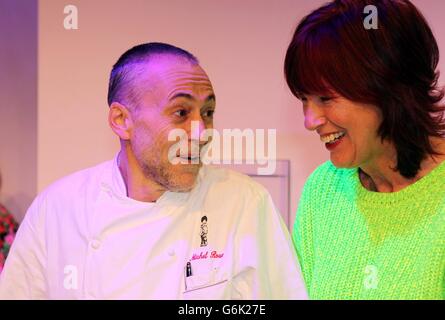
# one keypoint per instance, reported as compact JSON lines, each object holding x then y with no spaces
{"x":131,"y":228}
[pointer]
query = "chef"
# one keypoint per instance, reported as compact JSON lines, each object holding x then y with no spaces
{"x":145,"y":226}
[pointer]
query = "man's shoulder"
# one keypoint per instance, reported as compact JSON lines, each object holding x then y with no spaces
{"x":65,"y":194}
{"x":79,"y":181}
{"x":233,"y":181}
{"x":236,"y":194}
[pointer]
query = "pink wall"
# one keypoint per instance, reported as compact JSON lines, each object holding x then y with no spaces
{"x":18,"y":107}
{"x":241,"y":44}
{"x":434,"y":10}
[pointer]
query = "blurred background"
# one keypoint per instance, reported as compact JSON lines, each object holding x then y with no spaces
{"x":53,"y":81}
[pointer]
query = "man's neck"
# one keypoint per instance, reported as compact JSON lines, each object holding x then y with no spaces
{"x":137,"y":185}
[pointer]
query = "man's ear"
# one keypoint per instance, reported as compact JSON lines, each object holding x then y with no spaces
{"x":120,"y":121}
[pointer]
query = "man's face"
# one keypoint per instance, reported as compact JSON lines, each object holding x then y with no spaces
{"x":174,"y":93}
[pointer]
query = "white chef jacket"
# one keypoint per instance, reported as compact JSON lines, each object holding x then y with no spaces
{"x":83,"y":238}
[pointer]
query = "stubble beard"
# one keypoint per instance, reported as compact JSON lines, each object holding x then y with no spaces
{"x":161,"y":172}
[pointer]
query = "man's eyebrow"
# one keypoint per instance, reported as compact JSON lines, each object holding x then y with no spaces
{"x":211,"y":98}
{"x":190,"y":97}
{"x":182,"y":95}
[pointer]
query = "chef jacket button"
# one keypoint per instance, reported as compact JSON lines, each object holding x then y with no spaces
{"x":171,"y":252}
{"x":95,"y":244}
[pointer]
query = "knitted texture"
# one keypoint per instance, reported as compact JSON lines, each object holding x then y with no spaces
{"x":357,"y":244}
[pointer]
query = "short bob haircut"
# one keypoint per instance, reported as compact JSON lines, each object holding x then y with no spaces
{"x":392,"y":67}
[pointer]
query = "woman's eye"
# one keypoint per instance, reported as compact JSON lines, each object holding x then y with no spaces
{"x":326,"y":99}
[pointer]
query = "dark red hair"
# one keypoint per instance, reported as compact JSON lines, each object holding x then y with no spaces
{"x":392,"y":67}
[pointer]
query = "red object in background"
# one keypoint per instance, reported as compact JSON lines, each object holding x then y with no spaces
{"x":8,"y":228}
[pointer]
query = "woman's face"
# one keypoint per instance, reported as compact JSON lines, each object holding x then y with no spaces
{"x":348,"y":129}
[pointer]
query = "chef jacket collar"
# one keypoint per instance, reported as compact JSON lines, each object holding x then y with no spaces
{"x":119,"y":189}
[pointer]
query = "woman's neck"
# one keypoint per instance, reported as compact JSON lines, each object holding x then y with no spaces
{"x":380,"y":175}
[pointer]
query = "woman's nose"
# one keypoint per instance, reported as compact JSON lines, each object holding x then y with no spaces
{"x":313,"y":117}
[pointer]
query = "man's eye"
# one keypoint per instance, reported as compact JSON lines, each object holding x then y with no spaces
{"x":181,"y":113}
{"x":209,"y":113}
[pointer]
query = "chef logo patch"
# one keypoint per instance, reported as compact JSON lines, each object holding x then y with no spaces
{"x":204,"y":231}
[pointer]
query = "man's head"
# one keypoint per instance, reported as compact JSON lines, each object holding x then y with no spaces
{"x":156,"y":88}
{"x":126,"y":74}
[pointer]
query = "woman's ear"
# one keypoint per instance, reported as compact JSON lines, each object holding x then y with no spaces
{"x":120,"y":121}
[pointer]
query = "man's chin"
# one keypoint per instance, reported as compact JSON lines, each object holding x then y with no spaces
{"x":183,"y":181}
{"x":182,"y":187}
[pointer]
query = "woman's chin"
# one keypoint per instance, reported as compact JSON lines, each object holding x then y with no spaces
{"x":342,"y":163}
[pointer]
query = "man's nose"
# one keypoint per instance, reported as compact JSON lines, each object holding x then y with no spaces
{"x":313,"y":117}
{"x":197,"y":127}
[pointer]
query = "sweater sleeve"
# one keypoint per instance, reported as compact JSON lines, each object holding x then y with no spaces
{"x":302,"y":235}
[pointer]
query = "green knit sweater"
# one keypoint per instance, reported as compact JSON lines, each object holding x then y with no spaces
{"x":357,"y":244}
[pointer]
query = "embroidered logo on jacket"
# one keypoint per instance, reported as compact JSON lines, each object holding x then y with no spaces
{"x":204,"y":231}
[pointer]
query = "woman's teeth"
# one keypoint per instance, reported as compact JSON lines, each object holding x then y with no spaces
{"x":332,"y":137}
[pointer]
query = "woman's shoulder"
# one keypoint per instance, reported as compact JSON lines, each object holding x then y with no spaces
{"x":329,"y":176}
{"x":326,"y":187}
{"x":328,"y":183}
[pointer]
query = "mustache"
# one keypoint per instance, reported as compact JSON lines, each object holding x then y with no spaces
{"x":192,"y":148}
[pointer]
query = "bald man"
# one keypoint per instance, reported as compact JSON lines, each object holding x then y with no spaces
{"x":132,"y":228}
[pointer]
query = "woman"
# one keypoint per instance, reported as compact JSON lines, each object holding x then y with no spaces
{"x":8,"y":228}
{"x":371,"y":221}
